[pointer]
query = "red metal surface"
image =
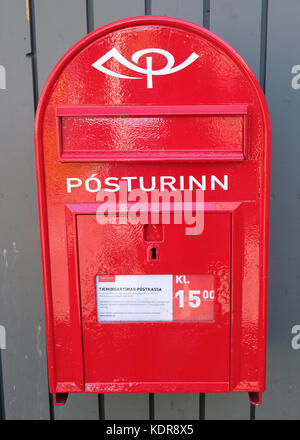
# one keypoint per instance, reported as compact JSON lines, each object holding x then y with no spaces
{"x":227,"y":354}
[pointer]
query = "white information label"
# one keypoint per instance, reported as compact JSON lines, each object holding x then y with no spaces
{"x":134,"y":298}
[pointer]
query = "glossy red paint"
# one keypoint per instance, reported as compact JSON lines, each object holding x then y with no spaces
{"x":207,"y":119}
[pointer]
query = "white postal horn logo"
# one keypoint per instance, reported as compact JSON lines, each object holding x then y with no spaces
{"x":149,"y":72}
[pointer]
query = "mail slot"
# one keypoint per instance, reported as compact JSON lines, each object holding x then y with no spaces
{"x":95,"y":133}
{"x":153,"y":165}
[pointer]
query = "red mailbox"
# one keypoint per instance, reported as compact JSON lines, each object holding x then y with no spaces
{"x":138,"y":119}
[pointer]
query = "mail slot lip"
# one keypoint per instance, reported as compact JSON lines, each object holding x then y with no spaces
{"x":157,"y":387}
{"x":153,"y":155}
{"x":151,"y":110}
{"x":170,"y":156}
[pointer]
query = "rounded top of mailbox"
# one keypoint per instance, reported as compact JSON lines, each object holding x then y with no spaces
{"x":151,"y":60}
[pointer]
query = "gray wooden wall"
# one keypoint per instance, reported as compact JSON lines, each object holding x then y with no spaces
{"x":267,"y":34}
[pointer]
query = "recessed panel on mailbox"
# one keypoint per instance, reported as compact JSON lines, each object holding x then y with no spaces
{"x":145,"y":320}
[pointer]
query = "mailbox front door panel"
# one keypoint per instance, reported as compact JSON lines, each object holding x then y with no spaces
{"x":180,"y":354}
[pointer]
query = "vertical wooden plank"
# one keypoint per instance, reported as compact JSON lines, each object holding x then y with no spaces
{"x":191,"y":10}
{"x":176,"y":406}
{"x":126,"y":406}
{"x":21,"y":292}
{"x":106,"y":12}
{"x":239,"y":23}
{"x":185,"y":405}
{"x":121,"y":406}
{"x":172,"y":405}
{"x":59,"y":24}
{"x":2,"y":402}
{"x":231,"y":406}
{"x":78,"y":407}
{"x":281,"y":401}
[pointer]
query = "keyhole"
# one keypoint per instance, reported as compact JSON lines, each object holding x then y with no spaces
{"x":153,"y":253}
